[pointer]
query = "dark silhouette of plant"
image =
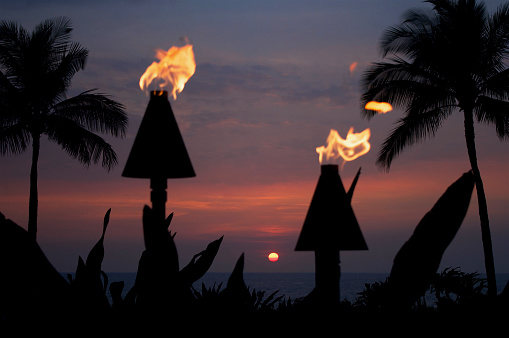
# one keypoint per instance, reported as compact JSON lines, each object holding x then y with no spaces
{"x":441,"y":60}
{"x":35,"y":73}
{"x":418,"y":260}
{"x":454,"y":289}
{"x":160,"y":285}
{"x":373,"y":297}
{"x":236,"y":297}
{"x":450,"y":289}
{"x":90,"y":282}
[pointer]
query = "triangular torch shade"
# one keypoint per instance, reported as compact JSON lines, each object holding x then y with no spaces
{"x":158,"y":150}
{"x":330,"y":223}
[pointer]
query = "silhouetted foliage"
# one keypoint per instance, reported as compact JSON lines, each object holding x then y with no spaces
{"x":35,"y":73}
{"x":450,"y":289}
{"x":236,"y":297}
{"x":160,"y":285}
{"x":419,"y":258}
{"x":164,"y":294}
{"x":374,"y":296}
{"x":90,"y":283}
{"x":35,"y":291}
{"x":454,"y":289}
{"x":447,"y":59}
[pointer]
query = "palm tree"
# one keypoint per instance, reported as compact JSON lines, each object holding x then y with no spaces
{"x":441,"y":60}
{"x":35,"y":73}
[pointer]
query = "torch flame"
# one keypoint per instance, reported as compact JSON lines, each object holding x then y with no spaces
{"x":381,"y":107}
{"x":355,"y":145}
{"x":174,"y":68}
{"x":352,"y":67}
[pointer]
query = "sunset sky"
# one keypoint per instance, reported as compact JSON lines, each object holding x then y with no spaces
{"x":272,"y":79}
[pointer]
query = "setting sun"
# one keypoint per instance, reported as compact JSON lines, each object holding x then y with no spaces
{"x":273,"y":257}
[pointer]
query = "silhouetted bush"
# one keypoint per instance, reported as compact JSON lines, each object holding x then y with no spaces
{"x":449,"y":289}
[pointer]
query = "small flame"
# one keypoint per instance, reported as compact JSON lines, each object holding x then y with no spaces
{"x":380,"y":107}
{"x":355,"y":145}
{"x":174,"y":68}
{"x":353,"y":66}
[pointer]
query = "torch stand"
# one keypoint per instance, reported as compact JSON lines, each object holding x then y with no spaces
{"x":327,"y":274}
{"x":330,"y":227}
{"x":158,"y":152}
{"x":158,"y":197}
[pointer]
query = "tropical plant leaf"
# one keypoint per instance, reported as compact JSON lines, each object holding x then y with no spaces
{"x":417,"y":262}
{"x":200,"y":263}
{"x":236,"y":289}
{"x":96,"y":255}
{"x":95,"y":111}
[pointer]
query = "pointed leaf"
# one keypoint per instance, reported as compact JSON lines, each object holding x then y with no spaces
{"x":106,"y":220}
{"x":197,"y":268}
{"x":96,"y":255}
{"x":236,"y":288}
{"x":417,"y":262}
{"x":168,"y":220}
{"x":80,"y":269}
{"x":271,"y":296}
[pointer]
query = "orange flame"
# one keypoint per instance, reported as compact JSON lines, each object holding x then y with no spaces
{"x":380,"y":107}
{"x":353,"y":66}
{"x":174,"y":68}
{"x":355,"y":145}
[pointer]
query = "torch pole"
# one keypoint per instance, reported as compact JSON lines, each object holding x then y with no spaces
{"x":158,"y":197}
{"x":327,"y":274}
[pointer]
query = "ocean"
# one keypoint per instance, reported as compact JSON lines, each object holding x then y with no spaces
{"x":293,"y":285}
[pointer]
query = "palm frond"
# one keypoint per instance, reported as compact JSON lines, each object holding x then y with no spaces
{"x":69,"y":63}
{"x":408,"y":37}
{"x":61,"y":28}
{"x":13,"y":39}
{"x":403,"y":84}
{"x":80,"y":143}
{"x":410,"y":130}
{"x":496,"y":41}
{"x":398,"y":69}
{"x":51,"y":60}
{"x":14,"y":139}
{"x":52,"y":37}
{"x":6,"y":86}
{"x":495,"y":112}
{"x":74,"y":60}
{"x":96,"y":112}
{"x":497,"y":86}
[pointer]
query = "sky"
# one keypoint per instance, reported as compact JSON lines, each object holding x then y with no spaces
{"x":272,"y":78}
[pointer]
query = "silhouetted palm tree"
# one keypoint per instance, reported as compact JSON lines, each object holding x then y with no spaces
{"x":35,"y":73}
{"x":442,"y":60}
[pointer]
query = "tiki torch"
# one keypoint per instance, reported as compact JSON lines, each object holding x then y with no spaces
{"x":159,"y":152}
{"x":330,"y":225}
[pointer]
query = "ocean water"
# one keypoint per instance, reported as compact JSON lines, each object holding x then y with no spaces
{"x":293,"y":285}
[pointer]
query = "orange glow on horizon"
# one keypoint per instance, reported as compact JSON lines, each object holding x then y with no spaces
{"x":261,"y":213}
{"x":354,"y":146}
{"x":174,"y":69}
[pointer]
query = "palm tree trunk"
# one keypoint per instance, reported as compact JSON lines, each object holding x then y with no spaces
{"x":481,"y":200}
{"x":33,"y":199}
